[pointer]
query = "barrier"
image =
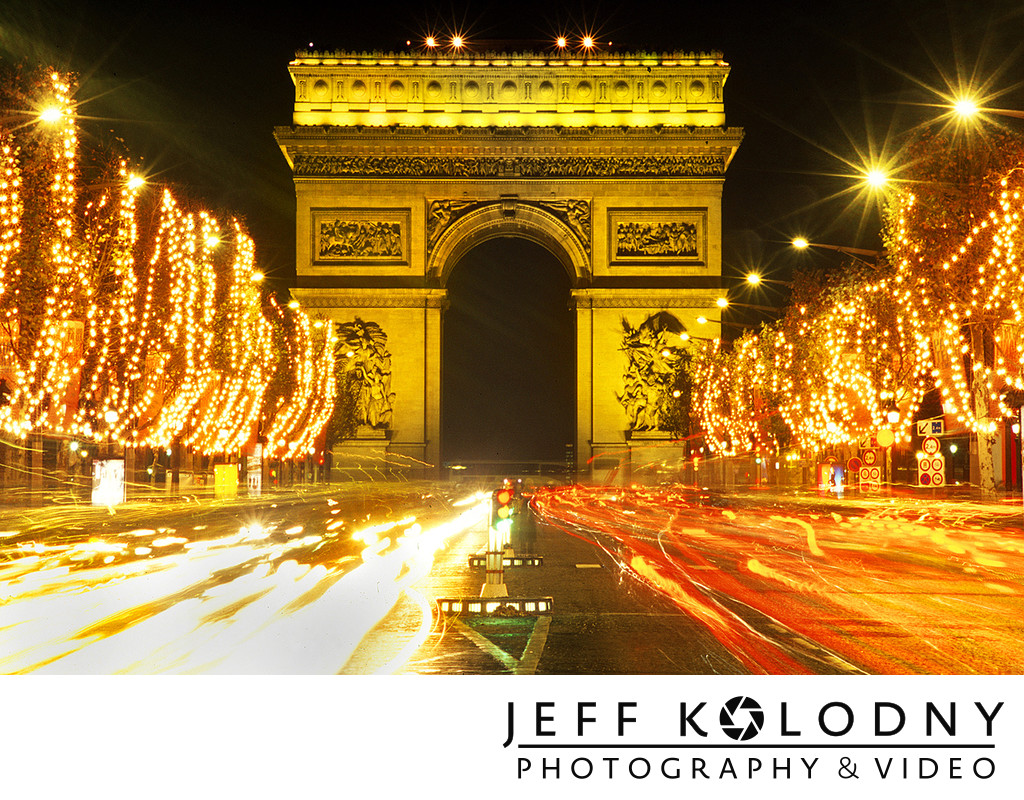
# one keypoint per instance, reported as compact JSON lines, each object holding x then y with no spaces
{"x":509,"y":561}
{"x":498,"y":607}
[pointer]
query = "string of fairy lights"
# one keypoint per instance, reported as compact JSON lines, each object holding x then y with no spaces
{"x":832,"y":375}
{"x":865,"y":358}
{"x":146,"y":339}
{"x":975,"y":334}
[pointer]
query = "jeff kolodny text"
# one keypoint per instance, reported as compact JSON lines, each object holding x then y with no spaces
{"x":740,"y":738}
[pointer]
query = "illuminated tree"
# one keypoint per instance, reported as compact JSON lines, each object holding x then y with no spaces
{"x":953,"y":236}
{"x":130,"y":314}
{"x":826,"y":374}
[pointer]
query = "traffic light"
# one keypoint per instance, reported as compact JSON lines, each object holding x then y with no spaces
{"x":501,"y":505}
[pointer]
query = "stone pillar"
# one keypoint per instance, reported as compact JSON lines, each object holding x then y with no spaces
{"x":432,"y":381}
{"x":584,"y":381}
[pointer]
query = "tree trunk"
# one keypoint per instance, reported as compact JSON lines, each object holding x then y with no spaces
{"x":986,"y":441}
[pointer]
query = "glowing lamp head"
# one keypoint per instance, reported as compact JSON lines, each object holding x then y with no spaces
{"x":721,"y":302}
{"x":965,"y":107}
{"x":753,"y":278}
{"x":561,"y":42}
{"x":136,"y":182}
{"x":51,"y":114}
{"x":800,"y":243}
{"x":876,"y":178}
{"x":431,"y":41}
{"x":588,"y":42}
{"x":110,"y":416}
{"x":457,"y":42}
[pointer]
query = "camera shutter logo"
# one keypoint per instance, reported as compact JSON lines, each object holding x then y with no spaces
{"x":741,"y":718}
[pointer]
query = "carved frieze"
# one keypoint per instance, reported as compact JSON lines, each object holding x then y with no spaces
{"x":441,"y":214}
{"x":653,"y":236}
{"x":314,"y":165}
{"x":360,"y":235}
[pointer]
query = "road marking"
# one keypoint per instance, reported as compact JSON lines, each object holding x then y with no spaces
{"x":527,"y":665}
{"x":531,"y":655}
{"x":486,"y":645}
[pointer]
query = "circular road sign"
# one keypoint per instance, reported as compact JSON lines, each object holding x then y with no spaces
{"x":930,"y":445}
{"x":885,"y":437}
{"x":853,"y":464}
{"x":869,"y":457}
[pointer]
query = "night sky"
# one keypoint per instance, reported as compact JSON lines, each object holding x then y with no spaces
{"x":195,"y":90}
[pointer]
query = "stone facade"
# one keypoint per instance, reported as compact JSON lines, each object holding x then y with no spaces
{"x":402,"y":164}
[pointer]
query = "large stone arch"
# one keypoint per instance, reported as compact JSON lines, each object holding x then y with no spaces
{"x":516,"y":219}
{"x":615,"y":165}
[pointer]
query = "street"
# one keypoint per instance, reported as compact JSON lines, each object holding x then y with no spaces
{"x":280,"y":585}
{"x":662,"y":580}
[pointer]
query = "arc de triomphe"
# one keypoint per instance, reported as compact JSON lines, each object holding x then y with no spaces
{"x":613,"y":163}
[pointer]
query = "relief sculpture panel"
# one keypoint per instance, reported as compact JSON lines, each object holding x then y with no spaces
{"x":645,"y":236}
{"x":360,"y":236}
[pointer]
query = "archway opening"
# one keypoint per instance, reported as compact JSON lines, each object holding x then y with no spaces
{"x":508,"y":384}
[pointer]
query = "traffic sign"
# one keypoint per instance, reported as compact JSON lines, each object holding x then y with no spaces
{"x":931,"y":446}
{"x":869,"y":457}
{"x":853,"y":464}
{"x":930,"y":427}
{"x":885,"y":437}
{"x":870,"y":477}
{"x":931,"y":470}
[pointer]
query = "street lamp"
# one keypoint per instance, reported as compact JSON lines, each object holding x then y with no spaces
{"x":876,"y":178}
{"x":800,"y":243}
{"x":965,"y":107}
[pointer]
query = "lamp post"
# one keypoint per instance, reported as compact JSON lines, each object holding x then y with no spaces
{"x":892,"y":416}
{"x":110,"y":417}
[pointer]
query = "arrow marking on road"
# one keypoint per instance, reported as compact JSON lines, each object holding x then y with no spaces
{"x":527,"y":665}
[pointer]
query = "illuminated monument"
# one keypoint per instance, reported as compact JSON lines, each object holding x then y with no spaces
{"x":613,"y":163}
